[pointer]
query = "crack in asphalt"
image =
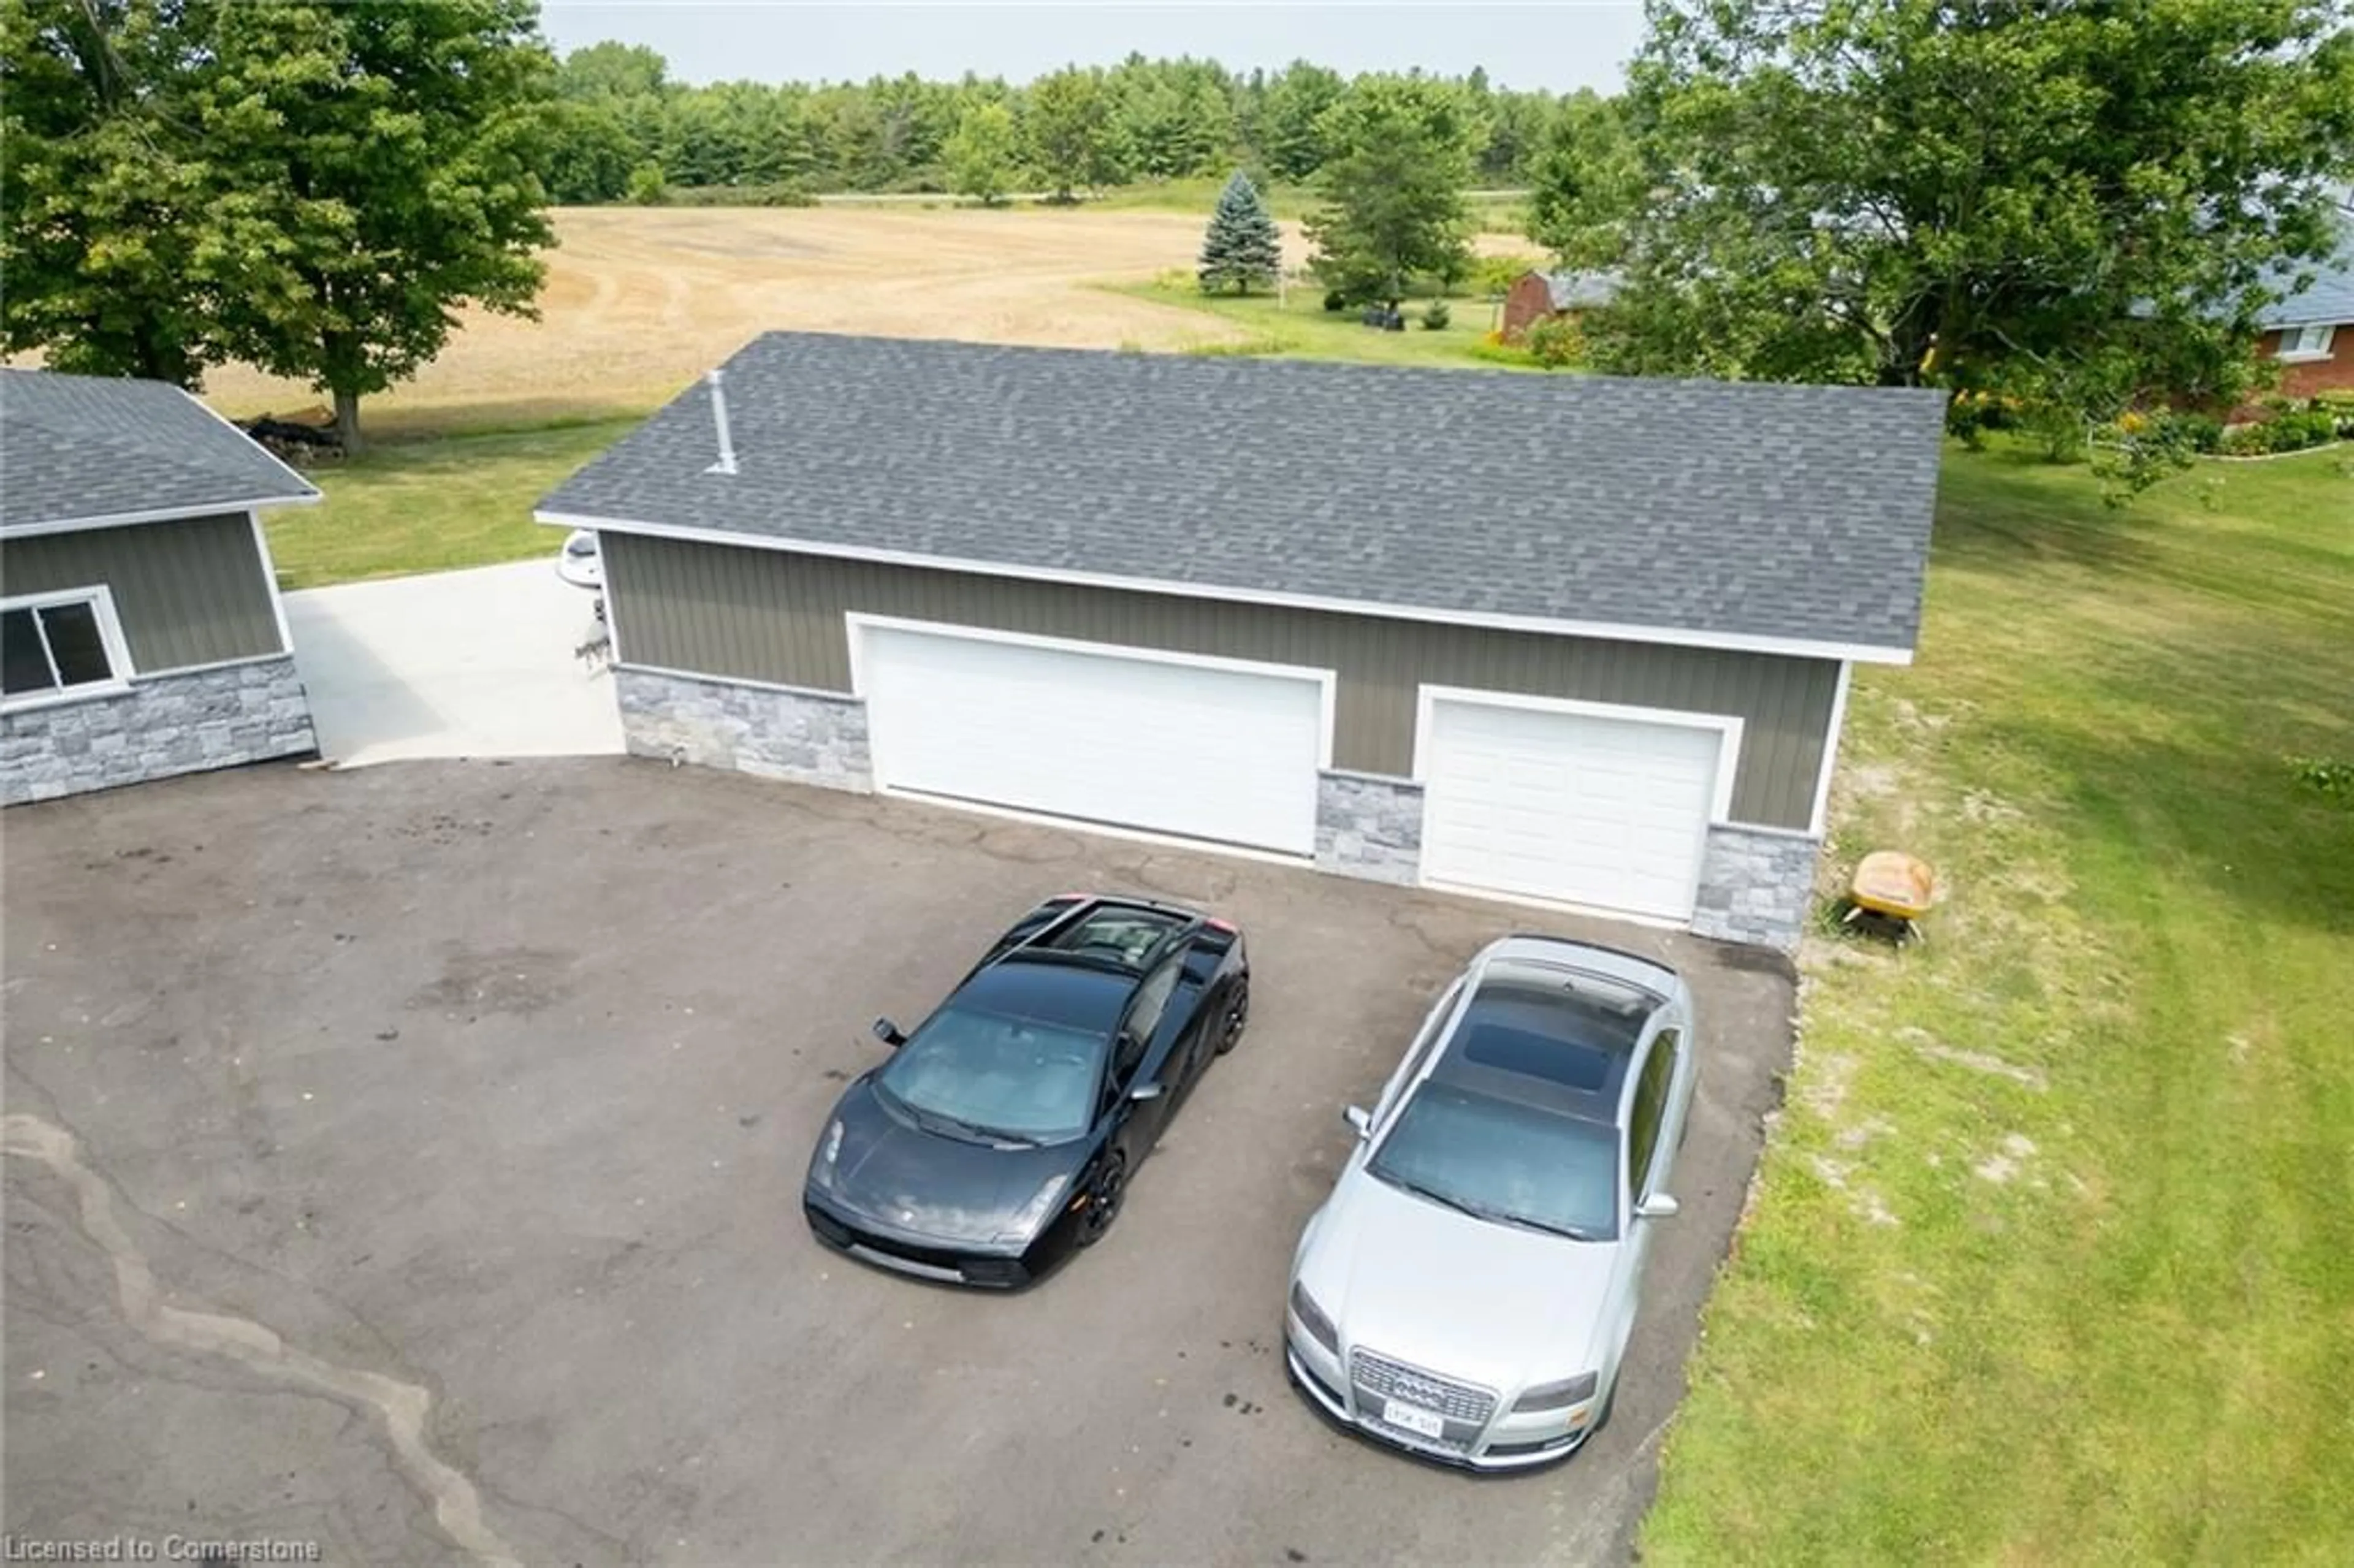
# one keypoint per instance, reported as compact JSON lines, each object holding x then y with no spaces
{"x":403,"y":1408}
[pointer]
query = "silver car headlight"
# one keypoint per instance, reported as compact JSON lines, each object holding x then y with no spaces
{"x":1558,"y":1395}
{"x":1034,"y":1213}
{"x":1312,"y":1318}
{"x":821,"y":1173}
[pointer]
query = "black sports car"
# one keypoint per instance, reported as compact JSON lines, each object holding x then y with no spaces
{"x":1001,"y":1135}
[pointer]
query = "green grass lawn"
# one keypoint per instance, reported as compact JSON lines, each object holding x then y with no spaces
{"x":2053,"y":1254}
{"x":428,"y":505}
{"x":1299,"y":327}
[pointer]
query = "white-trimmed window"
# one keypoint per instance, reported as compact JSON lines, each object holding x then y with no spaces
{"x":56,"y":646}
{"x":2310,"y":342}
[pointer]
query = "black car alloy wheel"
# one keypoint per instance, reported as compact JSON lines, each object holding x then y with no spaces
{"x":1230,"y":1033}
{"x":1103,"y":1200}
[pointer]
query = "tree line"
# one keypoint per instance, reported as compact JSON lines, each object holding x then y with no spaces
{"x":2071,"y":210}
{"x":629,"y":130}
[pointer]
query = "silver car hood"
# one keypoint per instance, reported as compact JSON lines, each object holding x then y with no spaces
{"x":1464,"y":1296}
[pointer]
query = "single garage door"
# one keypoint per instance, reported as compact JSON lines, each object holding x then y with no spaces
{"x":1574,"y":807}
{"x":1223,"y":752}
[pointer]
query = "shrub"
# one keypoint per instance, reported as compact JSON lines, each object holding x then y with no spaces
{"x":1435,"y":315}
{"x":1335,"y":300}
{"x":646,"y":187}
{"x":2293,"y":429}
{"x":2326,"y":777}
{"x":2204,"y":432}
{"x":783,"y":194}
{"x":1556,"y":341}
{"x":1495,"y":351}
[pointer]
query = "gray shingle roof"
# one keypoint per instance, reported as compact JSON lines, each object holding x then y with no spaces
{"x":1699,"y":511}
{"x":1581,"y":291}
{"x":2331,"y":300}
{"x":75,"y":447}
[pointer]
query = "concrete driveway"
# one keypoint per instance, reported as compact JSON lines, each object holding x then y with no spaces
{"x":454,"y":664}
{"x":407,"y":1160}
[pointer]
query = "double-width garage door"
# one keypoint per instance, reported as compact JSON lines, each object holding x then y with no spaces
{"x":1215,"y":750}
{"x":1576,"y":807}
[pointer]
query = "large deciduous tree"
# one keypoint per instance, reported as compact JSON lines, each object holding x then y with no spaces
{"x":1586,"y":183}
{"x":1073,"y":132}
{"x":316,"y":189}
{"x":1398,"y":153}
{"x":394,"y":148}
{"x":980,"y":154}
{"x":2077,"y":204}
{"x":110,"y":246}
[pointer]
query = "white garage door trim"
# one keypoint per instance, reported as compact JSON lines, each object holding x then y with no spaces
{"x":1726,"y":727}
{"x":1323,"y":681}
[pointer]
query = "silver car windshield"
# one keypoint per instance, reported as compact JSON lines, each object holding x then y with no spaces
{"x":985,"y":1074}
{"x":1508,"y":1163}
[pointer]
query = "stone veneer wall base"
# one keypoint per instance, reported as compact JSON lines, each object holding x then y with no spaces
{"x":167,"y":724}
{"x":1369,"y":826}
{"x":809,"y":737}
{"x":1757,"y":885}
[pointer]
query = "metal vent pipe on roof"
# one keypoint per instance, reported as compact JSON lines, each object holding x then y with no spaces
{"x":726,"y":464}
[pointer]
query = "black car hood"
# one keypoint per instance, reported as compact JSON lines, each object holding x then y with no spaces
{"x":929,"y":1184}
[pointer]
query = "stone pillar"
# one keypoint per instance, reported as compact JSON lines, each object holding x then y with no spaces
{"x":807,"y":737}
{"x":1369,"y":826}
{"x":164,"y":725}
{"x":1757,"y":885}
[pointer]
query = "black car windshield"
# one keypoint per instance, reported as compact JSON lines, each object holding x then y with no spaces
{"x":994,"y":1073}
{"x":1512,"y":1163}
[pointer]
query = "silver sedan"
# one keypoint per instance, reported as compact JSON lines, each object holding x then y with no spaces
{"x":1468,"y":1290}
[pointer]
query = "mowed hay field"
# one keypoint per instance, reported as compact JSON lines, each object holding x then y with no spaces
{"x":640,"y":301}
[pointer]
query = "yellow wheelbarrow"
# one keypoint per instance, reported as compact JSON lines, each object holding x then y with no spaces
{"x":1894,"y":888}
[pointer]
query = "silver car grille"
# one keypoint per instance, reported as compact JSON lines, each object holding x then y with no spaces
{"x":1378,"y":1374}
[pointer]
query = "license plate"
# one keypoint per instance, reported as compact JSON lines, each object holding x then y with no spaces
{"x":1414,"y":1418}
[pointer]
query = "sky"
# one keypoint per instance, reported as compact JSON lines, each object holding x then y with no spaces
{"x":1556,"y":45}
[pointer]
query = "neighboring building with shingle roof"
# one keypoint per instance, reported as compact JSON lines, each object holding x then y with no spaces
{"x":1535,"y":296}
{"x":1573,"y":640}
{"x":2311,"y":331}
{"x":140,"y":618}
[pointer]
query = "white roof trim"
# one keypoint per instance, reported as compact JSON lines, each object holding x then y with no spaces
{"x":160,"y":514}
{"x":1608,"y":631}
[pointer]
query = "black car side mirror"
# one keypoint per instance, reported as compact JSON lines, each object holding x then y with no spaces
{"x":888,"y":1032}
{"x":1145,"y":1092}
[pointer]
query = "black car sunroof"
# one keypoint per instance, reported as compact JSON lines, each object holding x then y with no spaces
{"x":1121,"y":934}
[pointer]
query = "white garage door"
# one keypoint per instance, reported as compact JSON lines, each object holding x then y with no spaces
{"x":1216,"y":752}
{"x":1576,"y":808}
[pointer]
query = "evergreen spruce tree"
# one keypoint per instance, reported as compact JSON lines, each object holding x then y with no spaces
{"x":1242,"y":246}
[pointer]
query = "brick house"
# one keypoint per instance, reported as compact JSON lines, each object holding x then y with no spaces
{"x":2311,"y":332}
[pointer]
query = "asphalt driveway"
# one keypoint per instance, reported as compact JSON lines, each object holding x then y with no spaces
{"x":407,"y":1160}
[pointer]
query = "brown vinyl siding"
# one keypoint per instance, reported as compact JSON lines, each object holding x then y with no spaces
{"x":187,"y":591}
{"x":766,"y":615}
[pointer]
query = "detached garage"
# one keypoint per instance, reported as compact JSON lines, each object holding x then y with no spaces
{"x":141,"y":628}
{"x":1579,"y":643}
